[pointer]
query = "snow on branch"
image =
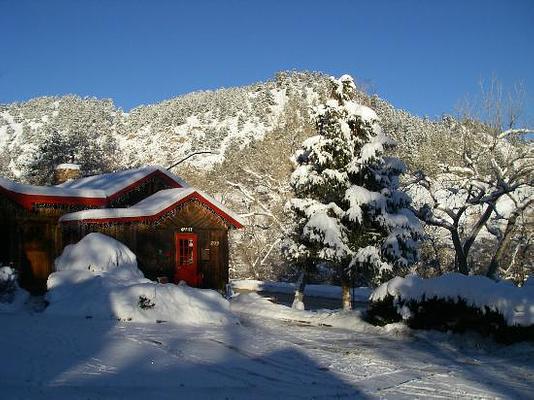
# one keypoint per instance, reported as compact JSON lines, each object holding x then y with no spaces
{"x":512,"y":132}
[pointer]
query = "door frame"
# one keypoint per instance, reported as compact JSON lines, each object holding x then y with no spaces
{"x":187,"y":236}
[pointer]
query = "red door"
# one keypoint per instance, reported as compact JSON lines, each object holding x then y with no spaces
{"x":186,"y":259}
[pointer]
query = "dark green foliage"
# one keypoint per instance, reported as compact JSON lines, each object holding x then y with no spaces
{"x":145,"y":303}
{"x":94,"y":152}
{"x":382,"y":312}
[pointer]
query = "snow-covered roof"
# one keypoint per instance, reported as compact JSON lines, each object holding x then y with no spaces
{"x":114,"y":182}
{"x":98,"y":187}
{"x":98,"y":190}
{"x":55,"y":191}
{"x":154,"y":206}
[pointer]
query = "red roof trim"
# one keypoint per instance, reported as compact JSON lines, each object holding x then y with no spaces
{"x":27,"y":201}
{"x":154,"y":217}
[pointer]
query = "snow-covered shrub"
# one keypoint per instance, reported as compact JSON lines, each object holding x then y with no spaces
{"x":455,"y":302}
{"x":8,"y":284}
{"x":98,"y":278}
{"x":145,"y":303}
{"x":12,"y":296}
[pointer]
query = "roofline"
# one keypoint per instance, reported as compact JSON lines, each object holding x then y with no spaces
{"x":172,"y":182}
{"x":152,"y":217}
{"x":27,"y":200}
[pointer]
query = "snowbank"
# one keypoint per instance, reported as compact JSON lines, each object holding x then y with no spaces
{"x":12,"y":297}
{"x":98,"y":278}
{"x":327,"y":291}
{"x":257,"y":306}
{"x":515,"y":304}
{"x":97,"y":253}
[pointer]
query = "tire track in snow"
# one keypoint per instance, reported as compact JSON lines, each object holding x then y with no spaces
{"x":411,"y":382}
{"x":237,"y":372}
{"x":252,"y":369}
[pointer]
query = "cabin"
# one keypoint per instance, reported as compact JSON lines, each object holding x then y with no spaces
{"x":177,"y":232}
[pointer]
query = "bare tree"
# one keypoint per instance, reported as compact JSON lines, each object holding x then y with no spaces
{"x":462,"y":199}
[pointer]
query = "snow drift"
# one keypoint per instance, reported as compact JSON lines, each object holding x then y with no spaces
{"x":98,"y":278}
{"x":96,"y":254}
{"x":515,"y":304}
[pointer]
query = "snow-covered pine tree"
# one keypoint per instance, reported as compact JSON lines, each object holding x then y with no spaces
{"x":319,"y":183}
{"x":347,"y":210}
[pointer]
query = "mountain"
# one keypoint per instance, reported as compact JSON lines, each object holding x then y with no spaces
{"x":154,"y":134}
{"x":163,"y":133}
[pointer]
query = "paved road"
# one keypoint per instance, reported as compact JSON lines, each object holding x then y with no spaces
{"x":310,"y":302}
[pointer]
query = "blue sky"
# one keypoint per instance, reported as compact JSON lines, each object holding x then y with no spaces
{"x":423,"y":56}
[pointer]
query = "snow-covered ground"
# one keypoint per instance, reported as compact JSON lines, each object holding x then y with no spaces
{"x":109,"y":333}
{"x":282,"y":355}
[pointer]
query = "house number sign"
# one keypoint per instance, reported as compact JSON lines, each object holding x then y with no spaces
{"x":186,"y":229}
{"x":214,"y":243}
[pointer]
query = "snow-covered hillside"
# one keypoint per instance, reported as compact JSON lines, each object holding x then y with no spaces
{"x":153,"y":134}
{"x":162,"y":133}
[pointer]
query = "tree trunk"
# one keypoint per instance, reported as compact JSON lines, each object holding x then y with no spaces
{"x":503,"y":245}
{"x":461,"y":259}
{"x":346,"y":297}
{"x":493,"y":267}
{"x":476,"y":229}
{"x":298,"y":300}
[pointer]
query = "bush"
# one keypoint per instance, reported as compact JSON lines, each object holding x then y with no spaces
{"x":145,"y":303}
{"x":383,"y":312}
{"x":8,"y":284}
{"x":447,"y":315}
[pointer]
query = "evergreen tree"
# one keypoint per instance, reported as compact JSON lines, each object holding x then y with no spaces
{"x":53,"y":151}
{"x":348,"y":211}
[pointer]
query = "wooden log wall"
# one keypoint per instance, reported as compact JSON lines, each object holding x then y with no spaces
{"x":154,"y":242}
{"x":30,"y":240}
